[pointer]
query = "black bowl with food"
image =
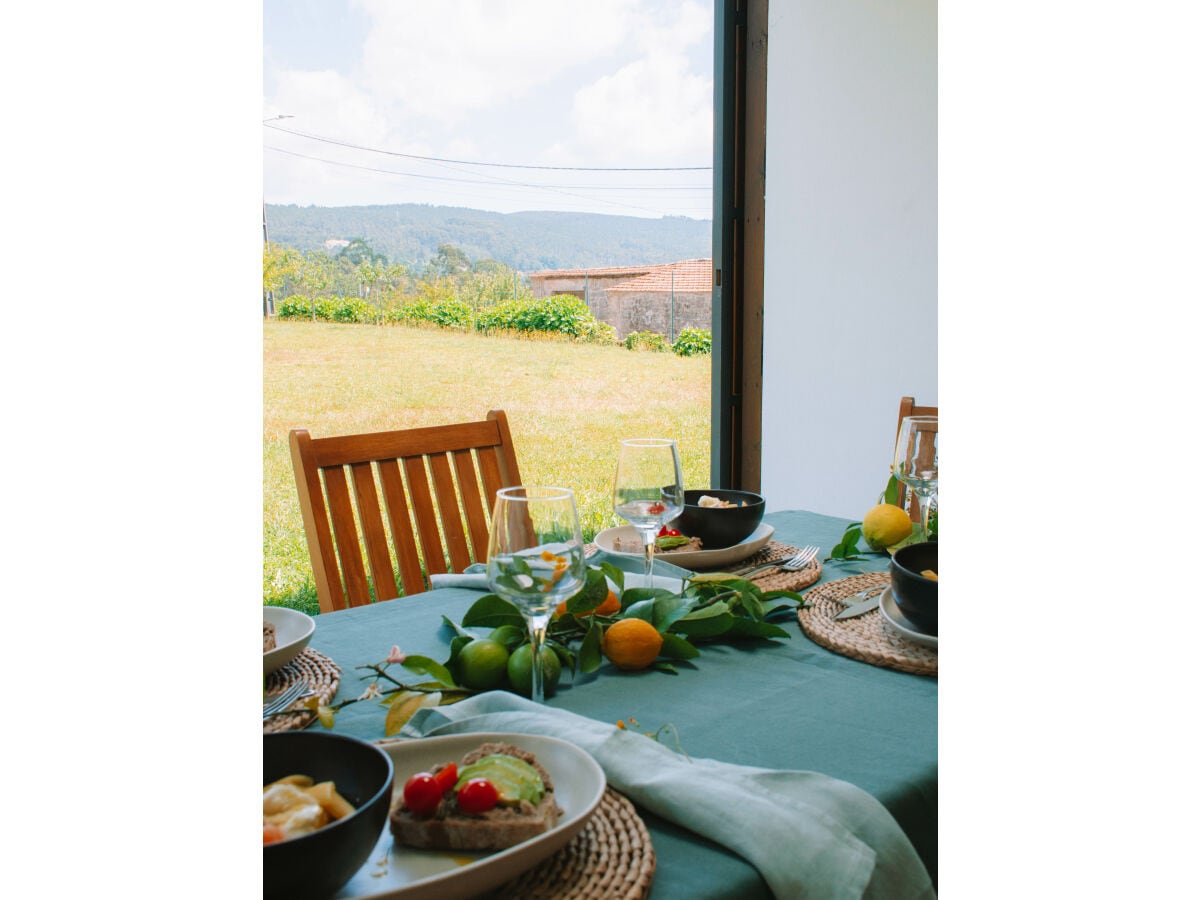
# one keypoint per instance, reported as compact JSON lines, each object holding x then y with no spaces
{"x":725,"y":518}
{"x":316,"y":864}
{"x":916,"y":593}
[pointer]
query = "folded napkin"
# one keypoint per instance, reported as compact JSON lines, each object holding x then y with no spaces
{"x":475,"y":576}
{"x":807,"y":834}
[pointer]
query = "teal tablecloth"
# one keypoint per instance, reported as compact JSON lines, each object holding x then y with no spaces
{"x":787,"y":704}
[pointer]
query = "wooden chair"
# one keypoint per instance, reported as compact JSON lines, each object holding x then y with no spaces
{"x":908,"y":407}
{"x":341,"y":480}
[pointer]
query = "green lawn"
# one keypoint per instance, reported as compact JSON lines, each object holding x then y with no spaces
{"x":568,"y":406}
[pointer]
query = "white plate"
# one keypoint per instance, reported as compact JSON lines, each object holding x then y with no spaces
{"x":895,"y":618}
{"x":293,"y":631}
{"x":401,"y":872}
{"x":689,"y":559}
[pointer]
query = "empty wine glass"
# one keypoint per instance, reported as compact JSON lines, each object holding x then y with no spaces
{"x":648,"y":490}
{"x":535,"y":558}
{"x":916,"y":462}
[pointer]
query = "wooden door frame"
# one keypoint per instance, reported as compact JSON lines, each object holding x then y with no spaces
{"x":739,"y":193}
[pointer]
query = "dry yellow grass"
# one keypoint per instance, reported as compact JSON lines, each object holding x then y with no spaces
{"x":568,"y":405}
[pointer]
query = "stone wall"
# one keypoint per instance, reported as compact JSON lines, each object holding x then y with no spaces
{"x":632,"y":311}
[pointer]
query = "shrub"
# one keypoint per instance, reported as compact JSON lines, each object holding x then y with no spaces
{"x":561,"y":314}
{"x":646,"y":340}
{"x":444,"y":312}
{"x":294,"y":307}
{"x":693,"y":342}
{"x":353,"y":309}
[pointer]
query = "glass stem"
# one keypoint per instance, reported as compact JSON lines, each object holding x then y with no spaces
{"x":648,"y":557}
{"x":537,"y":640}
{"x":923,"y":501}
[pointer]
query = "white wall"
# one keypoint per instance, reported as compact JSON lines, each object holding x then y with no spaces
{"x":850,"y":281}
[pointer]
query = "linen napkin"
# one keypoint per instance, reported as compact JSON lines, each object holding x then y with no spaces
{"x":809,"y":835}
{"x":474,"y":576}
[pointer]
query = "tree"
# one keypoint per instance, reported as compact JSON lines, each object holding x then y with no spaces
{"x":450,"y":262}
{"x":359,"y":251}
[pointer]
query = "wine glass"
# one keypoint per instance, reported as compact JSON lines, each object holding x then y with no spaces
{"x":916,"y":462}
{"x":535,"y":558}
{"x":648,"y":490}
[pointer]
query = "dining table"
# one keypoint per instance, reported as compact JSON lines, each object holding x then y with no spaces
{"x":796,"y":703}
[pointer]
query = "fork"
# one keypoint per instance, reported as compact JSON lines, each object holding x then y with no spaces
{"x":797,"y":562}
{"x":280,"y":702}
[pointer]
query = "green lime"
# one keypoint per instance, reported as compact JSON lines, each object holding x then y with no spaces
{"x":481,"y":664}
{"x":520,"y":670}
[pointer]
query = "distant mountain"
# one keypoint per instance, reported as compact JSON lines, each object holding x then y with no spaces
{"x":410,"y":233}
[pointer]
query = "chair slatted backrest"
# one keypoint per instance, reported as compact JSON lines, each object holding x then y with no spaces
{"x":429,"y":490}
{"x":908,"y":407}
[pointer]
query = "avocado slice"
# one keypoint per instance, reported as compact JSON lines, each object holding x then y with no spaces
{"x":514,"y":779}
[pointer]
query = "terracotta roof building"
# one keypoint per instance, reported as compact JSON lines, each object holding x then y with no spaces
{"x":664,"y":299}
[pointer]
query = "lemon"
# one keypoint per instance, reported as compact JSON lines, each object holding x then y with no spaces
{"x":631,"y":643}
{"x":884,"y":525}
{"x":520,"y":669}
{"x":482,"y":664}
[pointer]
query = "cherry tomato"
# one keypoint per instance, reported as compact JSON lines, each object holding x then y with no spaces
{"x":421,"y":794}
{"x":655,"y":508}
{"x":477,"y":796}
{"x":669,"y":532}
{"x":447,"y":777}
{"x":272,"y":834}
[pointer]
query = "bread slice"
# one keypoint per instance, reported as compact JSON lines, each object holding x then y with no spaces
{"x":449,"y":828}
{"x":268,"y":636}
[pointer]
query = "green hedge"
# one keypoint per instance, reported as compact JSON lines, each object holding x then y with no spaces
{"x":693,"y":342}
{"x":561,"y":314}
{"x":647,"y":340}
{"x":444,"y":312}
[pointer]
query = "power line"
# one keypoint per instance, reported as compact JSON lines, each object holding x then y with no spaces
{"x":580,"y":187}
{"x":463,"y":162}
{"x":491,"y":182}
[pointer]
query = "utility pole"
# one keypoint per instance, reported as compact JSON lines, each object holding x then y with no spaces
{"x":268,"y":300}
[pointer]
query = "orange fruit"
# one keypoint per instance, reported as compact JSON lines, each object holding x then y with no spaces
{"x":631,"y":643}
{"x":611,"y":605}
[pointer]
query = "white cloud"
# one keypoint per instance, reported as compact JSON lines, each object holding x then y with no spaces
{"x":447,"y":59}
{"x":651,"y":111}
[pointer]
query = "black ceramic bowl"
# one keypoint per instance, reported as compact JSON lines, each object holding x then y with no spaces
{"x":316,"y":865}
{"x":719,"y":527}
{"x":916,"y":595}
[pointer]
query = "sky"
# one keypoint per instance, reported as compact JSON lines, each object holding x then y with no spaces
{"x":503,"y":105}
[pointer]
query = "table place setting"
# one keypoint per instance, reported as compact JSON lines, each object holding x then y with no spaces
{"x":806,"y":833}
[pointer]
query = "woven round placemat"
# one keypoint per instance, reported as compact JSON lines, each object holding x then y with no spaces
{"x":771,"y":579}
{"x":868,"y":637}
{"x":320,"y":672}
{"x":612,"y":858}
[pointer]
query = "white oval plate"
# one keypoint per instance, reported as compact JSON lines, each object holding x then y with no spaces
{"x":393,"y":871}
{"x":293,"y":631}
{"x":895,"y":618}
{"x":689,"y":559}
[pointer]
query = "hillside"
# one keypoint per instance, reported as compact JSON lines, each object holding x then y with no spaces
{"x":527,"y":241}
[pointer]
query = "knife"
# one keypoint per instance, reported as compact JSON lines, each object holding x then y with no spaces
{"x":859,"y":609}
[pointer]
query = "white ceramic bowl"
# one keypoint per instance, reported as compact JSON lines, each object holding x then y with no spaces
{"x":293,"y":631}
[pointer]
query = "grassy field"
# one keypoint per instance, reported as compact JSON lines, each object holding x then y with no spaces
{"x":568,"y":406}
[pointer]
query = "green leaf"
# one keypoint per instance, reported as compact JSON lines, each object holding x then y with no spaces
{"x":402,"y":708}
{"x":591,"y":595}
{"x":750,"y":628}
{"x":848,"y":547}
{"x":642,"y":609}
{"x":677,"y":647}
{"x":660,"y":666}
{"x":891,"y":493}
{"x":590,"y":657}
{"x":492,"y":611}
{"x":613,"y":574}
{"x":707,"y":626}
{"x":511,"y":636}
{"x":423,"y":665}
